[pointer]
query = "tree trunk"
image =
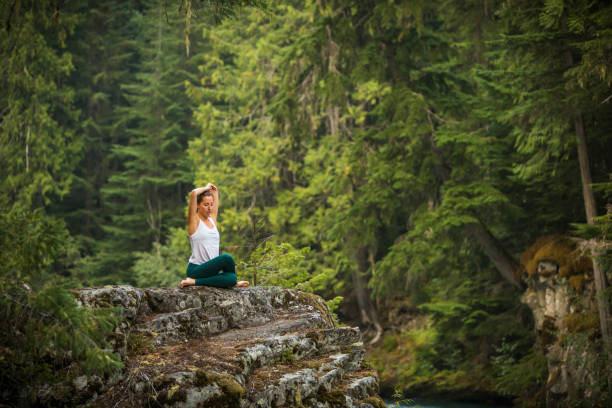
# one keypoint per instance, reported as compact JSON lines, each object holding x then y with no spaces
{"x":366,"y":308}
{"x":27,"y":150}
{"x":591,"y":212}
{"x":585,"y":171}
{"x":505,"y":264}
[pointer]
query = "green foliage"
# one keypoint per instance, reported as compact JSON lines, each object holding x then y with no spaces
{"x":280,"y":265}
{"x":164,"y":265}
{"x":522,"y":377}
{"x":145,"y":196}
{"x":333,"y":305}
{"x":545,"y":66}
{"x":30,"y":242}
{"x":38,"y":143}
{"x":349,"y":141}
{"x":50,"y":334}
{"x":107,"y":56}
{"x":383,"y":132}
{"x":399,"y":400}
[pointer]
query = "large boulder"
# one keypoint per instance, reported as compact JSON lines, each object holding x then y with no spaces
{"x":241,"y":347}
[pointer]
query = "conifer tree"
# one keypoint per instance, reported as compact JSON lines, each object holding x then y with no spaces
{"x":145,"y":196}
{"x":558,"y":94}
{"x":105,"y":56}
{"x":39,"y":141}
{"x":48,"y":337}
{"x":40,"y":145}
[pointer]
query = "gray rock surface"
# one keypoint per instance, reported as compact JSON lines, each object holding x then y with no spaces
{"x":246,"y":347}
{"x":566,"y":321}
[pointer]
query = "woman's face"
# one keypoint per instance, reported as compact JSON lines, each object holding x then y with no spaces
{"x":205,"y":206}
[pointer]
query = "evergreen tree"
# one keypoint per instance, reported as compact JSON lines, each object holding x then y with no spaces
{"x":145,"y":195}
{"x":39,"y":140}
{"x":105,"y":56}
{"x":389,"y":165}
{"x":240,"y":148}
{"x":41,"y":145}
{"x":48,"y":337}
{"x":557,"y":96}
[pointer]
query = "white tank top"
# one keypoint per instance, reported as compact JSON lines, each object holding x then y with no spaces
{"x":204,"y":243}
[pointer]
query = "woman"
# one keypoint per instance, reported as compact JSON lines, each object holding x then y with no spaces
{"x":206,"y":266}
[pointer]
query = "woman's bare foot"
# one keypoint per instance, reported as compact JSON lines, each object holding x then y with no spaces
{"x":241,"y":284}
{"x":187,"y":282}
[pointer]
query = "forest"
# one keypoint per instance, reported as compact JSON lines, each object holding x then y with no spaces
{"x":396,"y":157}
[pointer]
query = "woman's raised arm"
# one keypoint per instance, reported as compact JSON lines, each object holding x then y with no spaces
{"x":192,"y":212}
{"x":215,"y":209}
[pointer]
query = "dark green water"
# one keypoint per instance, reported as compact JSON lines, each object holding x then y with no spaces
{"x":423,"y":403}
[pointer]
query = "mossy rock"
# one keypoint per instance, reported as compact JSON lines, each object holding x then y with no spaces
{"x":581,"y":322}
{"x":162,"y":381}
{"x":375,"y":401}
{"x":333,"y":397}
{"x":232,"y":391}
{"x":318,"y":304}
{"x":168,"y":396}
{"x":287,"y":356}
{"x":316,"y":336}
{"x":560,"y":250}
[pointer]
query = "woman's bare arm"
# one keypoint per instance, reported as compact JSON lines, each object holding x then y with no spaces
{"x":192,"y":212}
{"x":215,"y":209}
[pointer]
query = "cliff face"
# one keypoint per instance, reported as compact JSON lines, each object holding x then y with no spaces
{"x":208,"y":347}
{"x":561,"y":296}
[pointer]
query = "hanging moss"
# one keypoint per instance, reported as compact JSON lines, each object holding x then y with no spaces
{"x":560,"y":250}
{"x":581,"y":322}
{"x":577,"y":282}
{"x":549,"y":332}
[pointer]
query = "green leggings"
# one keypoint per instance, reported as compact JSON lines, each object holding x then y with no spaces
{"x":219,"y":272}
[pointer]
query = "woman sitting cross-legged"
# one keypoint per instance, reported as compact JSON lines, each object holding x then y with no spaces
{"x":206,"y":266}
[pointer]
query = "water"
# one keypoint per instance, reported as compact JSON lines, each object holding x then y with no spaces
{"x":426,"y":403}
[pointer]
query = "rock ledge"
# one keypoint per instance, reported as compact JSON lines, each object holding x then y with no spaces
{"x":246,"y":347}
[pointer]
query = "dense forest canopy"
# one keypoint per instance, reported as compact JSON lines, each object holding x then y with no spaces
{"x":395,"y":157}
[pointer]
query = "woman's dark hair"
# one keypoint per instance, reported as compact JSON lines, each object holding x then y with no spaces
{"x":204,"y":194}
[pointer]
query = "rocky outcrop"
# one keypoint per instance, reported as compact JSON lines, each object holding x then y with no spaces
{"x":247,"y":347}
{"x":561,"y":296}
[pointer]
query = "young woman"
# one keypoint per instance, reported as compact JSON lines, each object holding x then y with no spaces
{"x":206,"y":266}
